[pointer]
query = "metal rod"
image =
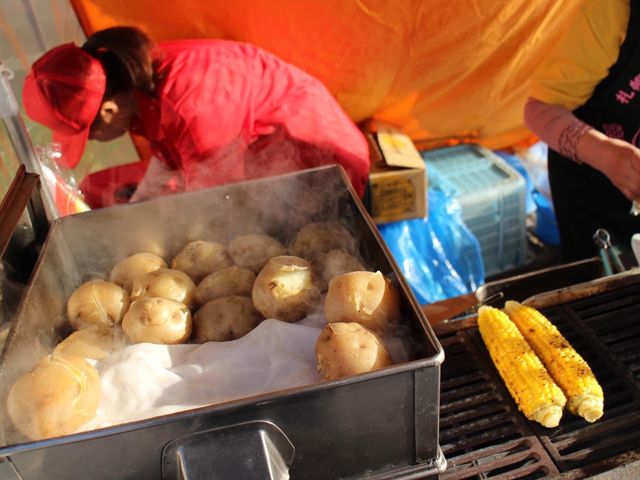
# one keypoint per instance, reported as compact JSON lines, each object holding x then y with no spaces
{"x":28,"y":8}
{"x":615,"y":260}
{"x":605,"y":261}
{"x":20,"y":140}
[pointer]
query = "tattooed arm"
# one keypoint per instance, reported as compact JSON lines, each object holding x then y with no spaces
{"x":564,"y":133}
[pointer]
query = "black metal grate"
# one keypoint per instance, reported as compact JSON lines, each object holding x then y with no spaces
{"x":481,"y":433}
{"x":484,"y":436}
{"x":604,"y":330}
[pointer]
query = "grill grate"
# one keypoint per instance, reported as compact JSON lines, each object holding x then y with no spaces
{"x":482,"y":433}
{"x":604,"y":329}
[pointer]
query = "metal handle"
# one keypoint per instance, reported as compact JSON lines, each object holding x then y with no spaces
{"x":610,"y":259}
{"x":14,"y":204}
{"x":254,"y":450}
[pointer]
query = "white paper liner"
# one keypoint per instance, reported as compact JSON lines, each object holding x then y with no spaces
{"x":146,"y":380}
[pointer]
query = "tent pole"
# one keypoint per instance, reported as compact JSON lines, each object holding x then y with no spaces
{"x":20,"y":140}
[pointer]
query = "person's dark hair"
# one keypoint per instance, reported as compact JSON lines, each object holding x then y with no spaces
{"x":126,"y":56}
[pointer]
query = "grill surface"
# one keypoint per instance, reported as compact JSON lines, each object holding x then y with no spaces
{"x":483,"y":435}
{"x":481,"y":432}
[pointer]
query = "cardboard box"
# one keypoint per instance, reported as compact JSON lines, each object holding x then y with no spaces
{"x":398,"y":178}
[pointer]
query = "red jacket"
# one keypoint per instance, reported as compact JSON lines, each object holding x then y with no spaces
{"x":241,"y":112}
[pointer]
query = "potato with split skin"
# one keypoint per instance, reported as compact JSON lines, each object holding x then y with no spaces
{"x":157,"y":320}
{"x":97,"y":302}
{"x":94,"y":342}
{"x":198,"y":259}
{"x":363,"y":297}
{"x":317,"y":238}
{"x":223,"y":283}
{"x":165,"y":283}
{"x":58,"y":396}
{"x":225,"y":318}
{"x":333,"y":263}
{"x":127,"y":270}
{"x":347,"y":348}
{"x":285,"y":289}
{"x":254,"y":250}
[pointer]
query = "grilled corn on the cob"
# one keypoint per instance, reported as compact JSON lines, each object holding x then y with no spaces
{"x":570,"y":371}
{"x":533,"y":389}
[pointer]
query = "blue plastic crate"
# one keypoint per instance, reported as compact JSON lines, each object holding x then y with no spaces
{"x":491,"y":195}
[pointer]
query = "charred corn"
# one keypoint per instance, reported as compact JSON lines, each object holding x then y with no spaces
{"x":528,"y":382}
{"x":570,"y":371}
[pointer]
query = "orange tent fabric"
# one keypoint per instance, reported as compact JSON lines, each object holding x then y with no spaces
{"x":444,"y":70}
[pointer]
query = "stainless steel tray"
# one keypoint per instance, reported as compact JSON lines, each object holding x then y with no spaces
{"x":384,"y":423}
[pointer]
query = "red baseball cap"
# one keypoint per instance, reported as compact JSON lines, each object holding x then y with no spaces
{"x":64,"y":91}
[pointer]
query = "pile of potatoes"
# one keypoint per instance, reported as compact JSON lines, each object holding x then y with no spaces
{"x":361,"y":308}
{"x":211,"y":292}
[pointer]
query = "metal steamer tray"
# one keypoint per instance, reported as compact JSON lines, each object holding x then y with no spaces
{"x":382,"y":424}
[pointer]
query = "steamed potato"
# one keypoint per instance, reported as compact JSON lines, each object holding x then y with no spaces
{"x":57,"y":397}
{"x":157,"y":320}
{"x":127,"y":270}
{"x":317,"y":238}
{"x":285,"y":289}
{"x":363,"y":297}
{"x":345,"y":349}
{"x":228,"y":281}
{"x":254,"y":250}
{"x":225,"y":318}
{"x":165,"y":283}
{"x":97,"y":302}
{"x":198,"y":259}
{"x":93,"y":342}
{"x":333,"y":263}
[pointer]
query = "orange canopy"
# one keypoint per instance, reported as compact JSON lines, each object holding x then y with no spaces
{"x":444,"y":70}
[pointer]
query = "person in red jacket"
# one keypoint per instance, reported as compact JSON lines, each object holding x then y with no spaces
{"x":214,"y":111}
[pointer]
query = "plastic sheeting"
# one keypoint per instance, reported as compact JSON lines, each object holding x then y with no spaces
{"x":444,"y":70}
{"x":438,"y":255}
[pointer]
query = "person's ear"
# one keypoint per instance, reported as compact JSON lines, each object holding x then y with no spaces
{"x":107,"y":110}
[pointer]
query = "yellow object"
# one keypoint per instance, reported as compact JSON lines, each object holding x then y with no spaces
{"x":56,"y":397}
{"x":533,"y":389}
{"x":397,"y":177}
{"x":566,"y":366}
{"x":584,"y":55}
{"x":443,"y":71}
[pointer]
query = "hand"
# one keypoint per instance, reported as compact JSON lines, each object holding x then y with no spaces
{"x":620,"y":162}
{"x":563,"y":132}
